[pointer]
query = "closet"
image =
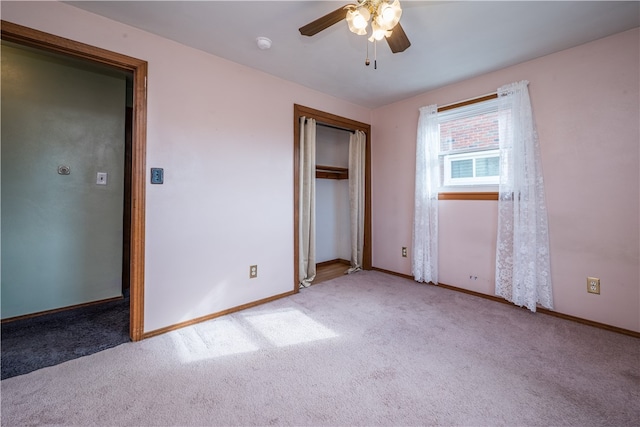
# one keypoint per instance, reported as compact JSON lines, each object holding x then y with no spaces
{"x":332,"y":194}
{"x":333,"y":245}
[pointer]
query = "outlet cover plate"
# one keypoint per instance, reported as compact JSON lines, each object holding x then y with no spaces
{"x":157,"y":176}
{"x":593,"y":285}
{"x":253,"y":271}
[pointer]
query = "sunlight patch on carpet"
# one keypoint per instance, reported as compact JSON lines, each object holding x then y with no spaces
{"x":223,"y":337}
{"x":288,"y":327}
{"x":248,"y":333}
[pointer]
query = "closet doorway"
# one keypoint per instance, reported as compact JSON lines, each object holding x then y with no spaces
{"x":335,"y":128}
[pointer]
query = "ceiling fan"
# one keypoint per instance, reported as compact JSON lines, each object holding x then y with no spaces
{"x":384,"y":16}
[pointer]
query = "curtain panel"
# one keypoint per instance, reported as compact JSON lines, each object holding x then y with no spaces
{"x":425,"y":222}
{"x":523,"y":273}
{"x":357,"y":145}
{"x":307,"y":201}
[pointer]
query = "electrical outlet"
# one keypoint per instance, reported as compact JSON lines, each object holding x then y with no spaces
{"x":593,"y":285}
{"x":404,"y":251}
{"x":253,"y":271}
{"x":157,"y":176}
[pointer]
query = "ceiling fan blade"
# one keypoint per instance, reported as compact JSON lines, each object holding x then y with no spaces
{"x":323,"y":23}
{"x":398,"y":40}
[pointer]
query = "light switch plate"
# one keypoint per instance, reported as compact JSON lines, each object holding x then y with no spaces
{"x":101,"y":178}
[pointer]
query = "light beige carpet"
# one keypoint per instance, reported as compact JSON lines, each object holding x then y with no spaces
{"x":365,"y":349}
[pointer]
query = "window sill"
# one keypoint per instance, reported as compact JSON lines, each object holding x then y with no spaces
{"x":484,"y":195}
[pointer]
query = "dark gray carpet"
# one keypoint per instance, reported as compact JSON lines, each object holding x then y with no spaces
{"x":38,"y":342}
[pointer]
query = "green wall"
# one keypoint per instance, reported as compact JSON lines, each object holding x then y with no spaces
{"x":61,"y":234}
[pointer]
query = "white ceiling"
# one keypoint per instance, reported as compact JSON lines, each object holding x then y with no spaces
{"x":450,"y":40}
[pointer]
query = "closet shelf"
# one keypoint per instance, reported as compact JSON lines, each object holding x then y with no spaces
{"x":331,"y":172}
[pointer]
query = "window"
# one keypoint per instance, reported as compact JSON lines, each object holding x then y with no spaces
{"x":469,"y":154}
{"x":473,"y":168}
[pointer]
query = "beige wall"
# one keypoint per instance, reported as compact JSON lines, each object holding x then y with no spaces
{"x":586,"y":102}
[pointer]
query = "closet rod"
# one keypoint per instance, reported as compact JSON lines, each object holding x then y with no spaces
{"x":333,"y":127}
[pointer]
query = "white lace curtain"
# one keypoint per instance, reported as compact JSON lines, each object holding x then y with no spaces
{"x":357,"y":144}
{"x":425,"y":221}
{"x":523,"y":273}
{"x":307,"y":201}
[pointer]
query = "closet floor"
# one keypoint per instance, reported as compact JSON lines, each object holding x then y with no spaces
{"x":330,"y":270}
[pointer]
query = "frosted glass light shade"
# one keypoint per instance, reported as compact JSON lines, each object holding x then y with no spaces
{"x":378,"y":32}
{"x":388,"y":15}
{"x":357,"y":22}
{"x":364,"y":12}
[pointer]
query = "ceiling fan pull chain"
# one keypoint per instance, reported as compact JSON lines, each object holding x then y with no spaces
{"x":366,"y":61}
{"x":375,"y":54}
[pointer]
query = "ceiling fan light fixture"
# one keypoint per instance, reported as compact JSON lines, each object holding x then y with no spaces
{"x":383,"y":15}
{"x":358,"y":20}
{"x":388,"y":14}
{"x":378,"y":32}
{"x":364,"y":13}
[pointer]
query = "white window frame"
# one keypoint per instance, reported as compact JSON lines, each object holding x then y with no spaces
{"x":475,"y":180}
{"x":476,"y":184}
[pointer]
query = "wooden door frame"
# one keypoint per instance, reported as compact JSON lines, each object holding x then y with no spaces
{"x":339,"y":122}
{"x":49,"y":42}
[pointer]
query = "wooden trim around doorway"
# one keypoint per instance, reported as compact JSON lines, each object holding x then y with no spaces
{"x":341,"y":123}
{"x":49,"y":42}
